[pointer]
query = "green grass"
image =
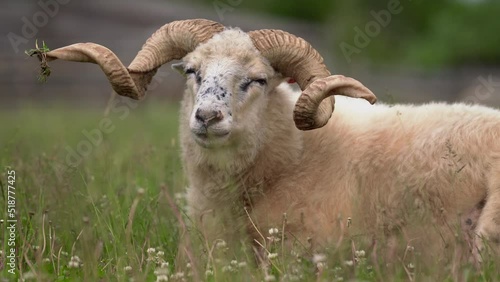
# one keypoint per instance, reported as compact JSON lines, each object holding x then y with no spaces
{"x":84,"y":211}
{"x":101,"y":220}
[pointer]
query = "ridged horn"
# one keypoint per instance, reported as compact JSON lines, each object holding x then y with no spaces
{"x":171,"y":42}
{"x":294,"y":57}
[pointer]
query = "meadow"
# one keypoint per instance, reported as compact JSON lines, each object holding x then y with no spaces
{"x":113,"y":214}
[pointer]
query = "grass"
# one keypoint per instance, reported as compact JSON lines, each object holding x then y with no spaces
{"x":42,"y":56}
{"x":109,"y":218}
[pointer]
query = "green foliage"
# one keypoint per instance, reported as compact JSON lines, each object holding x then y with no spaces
{"x":460,"y":35}
{"x":41,"y":53}
{"x":426,"y":33}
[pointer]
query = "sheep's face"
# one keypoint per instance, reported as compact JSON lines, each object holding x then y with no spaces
{"x":227,"y":86}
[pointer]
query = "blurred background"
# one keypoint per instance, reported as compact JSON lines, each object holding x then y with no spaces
{"x":405,"y":51}
{"x":80,"y":163}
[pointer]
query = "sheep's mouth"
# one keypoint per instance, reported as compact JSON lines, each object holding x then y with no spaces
{"x":208,"y":139}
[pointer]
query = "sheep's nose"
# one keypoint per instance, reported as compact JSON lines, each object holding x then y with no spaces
{"x":208,"y":117}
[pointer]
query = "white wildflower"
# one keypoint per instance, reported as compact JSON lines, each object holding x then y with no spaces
{"x":274,"y":235}
{"x":178,"y":275}
{"x":273,"y":231}
{"x":320,"y":266}
{"x":151,"y":251}
{"x":76,"y":258}
{"x":141,"y":191}
{"x":209,"y":272}
{"x":221,"y":244}
{"x":272,"y":255}
{"x":242,"y":264}
{"x":360,"y":253}
{"x":74,"y":262}
{"x":127,"y":268}
{"x":319,"y":258}
{"x":349,"y":262}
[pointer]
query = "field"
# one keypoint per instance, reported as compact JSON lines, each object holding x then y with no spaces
{"x":94,"y":201}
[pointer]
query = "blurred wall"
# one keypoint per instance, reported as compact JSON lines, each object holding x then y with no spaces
{"x":124,"y":25}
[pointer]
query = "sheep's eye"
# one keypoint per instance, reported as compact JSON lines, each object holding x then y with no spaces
{"x":190,"y":71}
{"x":260,"y":81}
{"x":246,"y":84}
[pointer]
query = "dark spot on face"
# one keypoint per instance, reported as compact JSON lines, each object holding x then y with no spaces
{"x":468,"y":221}
{"x":230,"y":113}
{"x":223,"y":94}
{"x":220,"y":74}
{"x":218,"y":97}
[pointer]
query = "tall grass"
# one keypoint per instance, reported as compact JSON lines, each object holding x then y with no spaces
{"x":111,"y":218}
{"x":83,"y":212}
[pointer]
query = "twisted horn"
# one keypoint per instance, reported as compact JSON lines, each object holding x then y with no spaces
{"x":294,"y":57}
{"x":172,"y":41}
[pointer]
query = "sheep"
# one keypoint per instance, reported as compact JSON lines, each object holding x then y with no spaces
{"x":253,"y":149}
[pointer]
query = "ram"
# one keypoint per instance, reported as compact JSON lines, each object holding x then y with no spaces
{"x":251,"y":156}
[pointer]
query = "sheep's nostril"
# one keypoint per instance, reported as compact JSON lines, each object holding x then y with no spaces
{"x":208,"y":117}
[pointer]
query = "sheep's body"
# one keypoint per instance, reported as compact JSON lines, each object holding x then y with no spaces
{"x":420,"y":166}
{"x":389,"y":168}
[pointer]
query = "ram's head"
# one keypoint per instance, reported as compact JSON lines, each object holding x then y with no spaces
{"x":220,"y":79}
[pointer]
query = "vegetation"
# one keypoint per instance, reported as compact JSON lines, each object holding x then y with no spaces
{"x":41,"y":55}
{"x":112,"y":217}
{"x":425,"y":33}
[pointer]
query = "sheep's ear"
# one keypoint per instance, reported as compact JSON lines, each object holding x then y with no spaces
{"x":179,"y":67}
